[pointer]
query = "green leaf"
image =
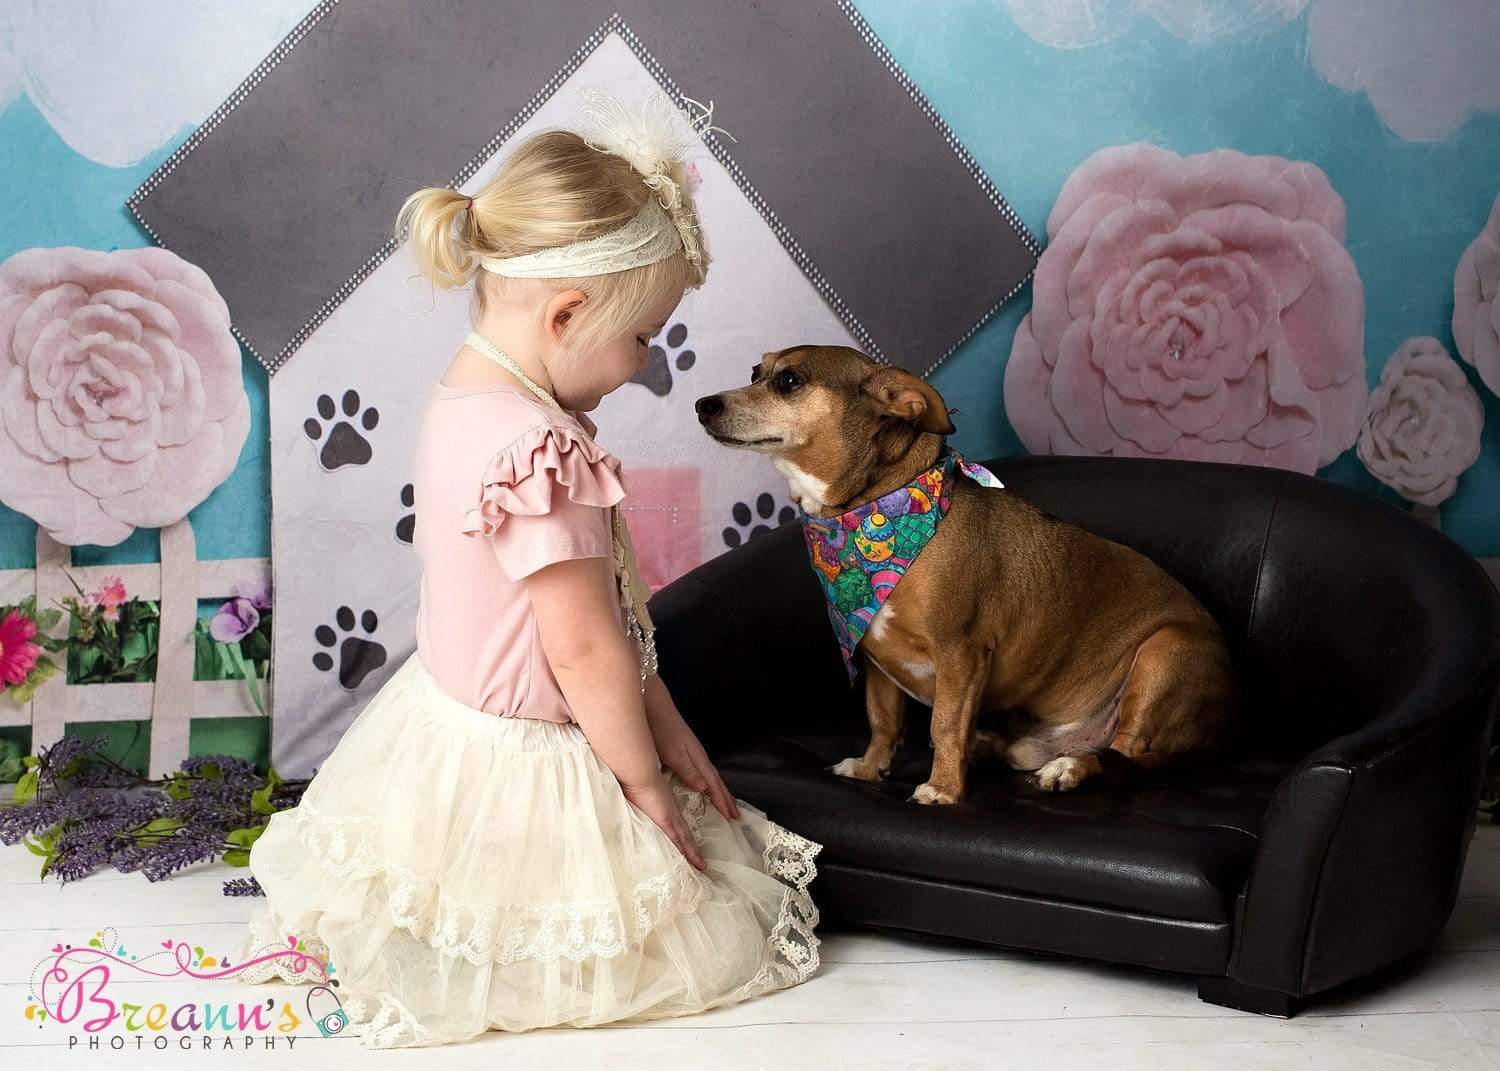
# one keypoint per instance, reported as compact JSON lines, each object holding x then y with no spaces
{"x":211,"y":771}
{"x":156,"y":829}
{"x":89,"y":659}
{"x":36,"y":849}
{"x":260,"y":801}
{"x":248,"y":672}
{"x":205,"y":656}
{"x":30,"y":761}
{"x":246,"y":836}
{"x":26,"y":786}
{"x":10,"y":761}
{"x":134,"y":648}
{"x":237,"y":856}
{"x":256,"y":646}
{"x":179,"y":788}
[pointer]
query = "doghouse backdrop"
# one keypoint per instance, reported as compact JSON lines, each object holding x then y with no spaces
{"x":1265,"y":233}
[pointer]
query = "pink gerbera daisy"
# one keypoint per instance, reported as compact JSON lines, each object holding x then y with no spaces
{"x":17,"y":653}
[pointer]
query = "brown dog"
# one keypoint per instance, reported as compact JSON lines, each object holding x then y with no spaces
{"x":1085,"y":644}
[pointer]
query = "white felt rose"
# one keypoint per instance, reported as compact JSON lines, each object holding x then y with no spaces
{"x":121,"y":399}
{"x":1476,"y":313}
{"x":1422,"y":425}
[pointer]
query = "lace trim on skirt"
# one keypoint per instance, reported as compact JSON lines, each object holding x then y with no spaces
{"x":498,"y":933}
{"x":386,"y":1023}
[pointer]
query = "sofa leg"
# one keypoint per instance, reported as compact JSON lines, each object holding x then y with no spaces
{"x":1231,"y":994}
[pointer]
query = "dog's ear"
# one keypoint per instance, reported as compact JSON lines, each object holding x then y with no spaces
{"x":898,"y":393}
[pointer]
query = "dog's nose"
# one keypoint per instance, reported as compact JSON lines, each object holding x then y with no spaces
{"x":709,"y":407}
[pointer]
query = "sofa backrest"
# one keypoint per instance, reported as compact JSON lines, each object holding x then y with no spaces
{"x":1331,"y":600}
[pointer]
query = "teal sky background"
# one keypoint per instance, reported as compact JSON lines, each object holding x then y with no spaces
{"x":1030,"y":115}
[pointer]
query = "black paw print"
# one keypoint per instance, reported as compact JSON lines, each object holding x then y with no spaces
{"x":344,"y":445}
{"x":657,"y":378}
{"x":765,"y":508}
{"x":406,"y":527}
{"x":358,"y":656}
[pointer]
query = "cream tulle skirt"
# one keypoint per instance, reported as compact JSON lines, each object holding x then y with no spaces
{"x":465,"y":872}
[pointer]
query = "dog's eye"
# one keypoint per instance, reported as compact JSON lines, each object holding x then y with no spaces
{"x":785,"y":381}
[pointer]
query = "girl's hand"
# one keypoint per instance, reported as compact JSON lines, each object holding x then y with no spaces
{"x":654,"y":799}
{"x":682,"y":753}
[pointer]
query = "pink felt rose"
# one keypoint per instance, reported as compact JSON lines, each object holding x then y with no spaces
{"x":121,"y":402}
{"x":1421,"y":430}
{"x":1476,"y":313}
{"x":1198,"y":307}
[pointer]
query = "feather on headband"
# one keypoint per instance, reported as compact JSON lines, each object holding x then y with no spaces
{"x":653,"y":142}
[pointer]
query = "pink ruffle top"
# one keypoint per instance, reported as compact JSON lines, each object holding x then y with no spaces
{"x":503,"y":486}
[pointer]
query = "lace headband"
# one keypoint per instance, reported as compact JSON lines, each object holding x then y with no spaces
{"x":652,"y":142}
{"x":651,"y":235}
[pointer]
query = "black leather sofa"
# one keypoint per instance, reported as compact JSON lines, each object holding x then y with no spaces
{"x":1367,"y":642}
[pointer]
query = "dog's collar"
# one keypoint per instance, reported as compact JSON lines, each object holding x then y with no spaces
{"x":860,"y":554}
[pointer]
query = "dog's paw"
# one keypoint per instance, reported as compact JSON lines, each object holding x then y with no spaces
{"x":927,"y":792}
{"x":1061,"y":774}
{"x":858,"y":769}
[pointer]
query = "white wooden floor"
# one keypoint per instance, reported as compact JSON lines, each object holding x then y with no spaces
{"x":878,"y":1001}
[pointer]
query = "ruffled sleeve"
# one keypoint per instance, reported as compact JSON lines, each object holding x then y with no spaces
{"x":545,"y":498}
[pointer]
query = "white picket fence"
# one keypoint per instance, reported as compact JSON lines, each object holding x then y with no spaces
{"x":169,"y":703}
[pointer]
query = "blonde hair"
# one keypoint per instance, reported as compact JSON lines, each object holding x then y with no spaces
{"x":553,"y":190}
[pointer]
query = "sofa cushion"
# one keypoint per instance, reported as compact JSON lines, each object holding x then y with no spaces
{"x":1174,"y":843}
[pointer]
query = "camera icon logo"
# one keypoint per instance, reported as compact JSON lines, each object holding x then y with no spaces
{"x":333,"y":1022}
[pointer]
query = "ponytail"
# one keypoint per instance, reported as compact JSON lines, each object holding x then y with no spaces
{"x":427,"y":220}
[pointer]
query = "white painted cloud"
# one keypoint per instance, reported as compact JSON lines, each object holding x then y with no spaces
{"x":1425,"y":66}
{"x":1080,"y":23}
{"x":118,"y":79}
{"x":10,"y":69}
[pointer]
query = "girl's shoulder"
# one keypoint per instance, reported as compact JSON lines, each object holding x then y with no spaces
{"x":507,"y":410}
{"x":537,"y":451}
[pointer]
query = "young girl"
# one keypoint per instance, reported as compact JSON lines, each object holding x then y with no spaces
{"x":494,"y":843}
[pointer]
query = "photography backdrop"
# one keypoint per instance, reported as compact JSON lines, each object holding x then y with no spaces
{"x":895,"y":174}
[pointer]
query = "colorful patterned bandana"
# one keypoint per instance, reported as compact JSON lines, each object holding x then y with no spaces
{"x":859,"y":556}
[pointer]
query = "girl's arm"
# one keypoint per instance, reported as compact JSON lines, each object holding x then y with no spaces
{"x":681,"y":751}
{"x":599,"y":674}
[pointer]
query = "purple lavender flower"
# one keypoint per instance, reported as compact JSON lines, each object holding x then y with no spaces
{"x":55,"y":759}
{"x":103,"y":775}
{"x":243,"y":887}
{"x":235,"y":620}
{"x":42,"y":814}
{"x":232,"y":769}
{"x":190,"y":844}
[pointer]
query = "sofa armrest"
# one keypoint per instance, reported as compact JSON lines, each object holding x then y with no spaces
{"x":744,"y":644}
{"x":1363,"y":844}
